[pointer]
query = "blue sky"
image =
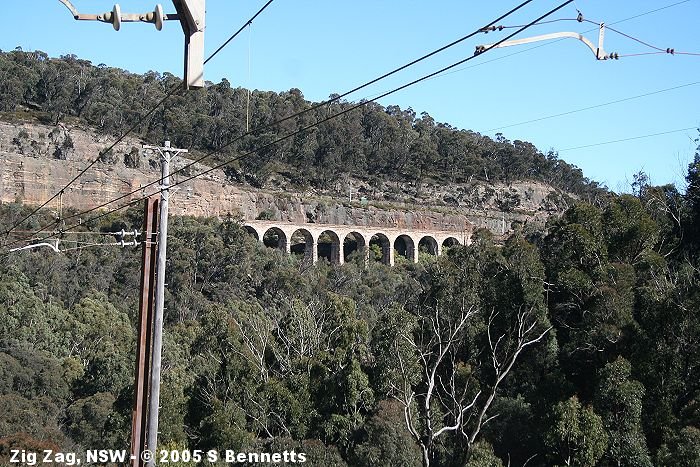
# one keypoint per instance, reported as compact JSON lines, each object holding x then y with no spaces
{"x":325,"y":47}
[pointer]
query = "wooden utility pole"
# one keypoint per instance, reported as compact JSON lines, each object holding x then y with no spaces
{"x":145,"y":328}
{"x":166,"y":153}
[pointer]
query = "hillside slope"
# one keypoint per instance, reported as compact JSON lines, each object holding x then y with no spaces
{"x":39,"y":159}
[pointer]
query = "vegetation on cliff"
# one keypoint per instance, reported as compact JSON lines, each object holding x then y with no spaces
{"x":372,"y":143}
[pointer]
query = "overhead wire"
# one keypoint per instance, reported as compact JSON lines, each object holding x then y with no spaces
{"x":500,"y":27}
{"x":581,"y":19}
{"x":133,"y":243}
{"x":304,"y":129}
{"x":295,"y":115}
{"x":628,"y":139}
{"x":668,"y":50}
{"x":634,"y":38}
{"x":650,"y":12}
{"x":442,"y":74}
{"x":138,"y":123}
{"x":85,"y":232}
{"x":554,"y":41}
{"x":597,"y":106}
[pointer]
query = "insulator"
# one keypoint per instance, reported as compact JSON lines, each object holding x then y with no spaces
{"x":116,"y":19}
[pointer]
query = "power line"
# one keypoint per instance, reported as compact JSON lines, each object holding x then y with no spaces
{"x":290,"y":135}
{"x":627,"y":139}
{"x":650,"y":12}
{"x":233,"y":36}
{"x":634,"y":38}
{"x":121,"y":233}
{"x":594,"y":106}
{"x":140,"y":121}
{"x":133,"y":243}
{"x":503,"y":57}
{"x":538,"y":24}
{"x":431,"y":76}
{"x":314,"y":107}
{"x":93,"y":162}
{"x":78,"y":245}
{"x":667,"y":50}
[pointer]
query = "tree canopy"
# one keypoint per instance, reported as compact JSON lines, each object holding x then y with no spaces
{"x":372,"y":143}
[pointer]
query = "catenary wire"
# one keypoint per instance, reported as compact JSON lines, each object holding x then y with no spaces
{"x":138,"y":123}
{"x":554,"y":41}
{"x":314,"y":107}
{"x":440,"y":74}
{"x":667,"y":50}
{"x":650,"y":12}
{"x":218,"y":166}
{"x":80,"y":232}
{"x":639,"y":96}
{"x":608,"y":27}
{"x":627,"y":139}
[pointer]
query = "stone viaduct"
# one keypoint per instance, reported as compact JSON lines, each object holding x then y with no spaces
{"x":337,"y":242}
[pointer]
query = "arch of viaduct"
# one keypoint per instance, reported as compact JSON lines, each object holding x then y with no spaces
{"x":337,"y":242}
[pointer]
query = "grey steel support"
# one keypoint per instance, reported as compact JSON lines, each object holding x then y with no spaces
{"x":191,"y":14}
{"x":166,"y":153}
{"x":192,"y":18}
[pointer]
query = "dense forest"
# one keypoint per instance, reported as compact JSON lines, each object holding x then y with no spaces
{"x":577,"y":346}
{"x":372,"y":143}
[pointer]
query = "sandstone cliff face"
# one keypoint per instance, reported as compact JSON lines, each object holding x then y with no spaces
{"x":38,"y":160}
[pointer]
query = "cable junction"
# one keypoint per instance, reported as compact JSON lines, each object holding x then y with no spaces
{"x":598,"y":50}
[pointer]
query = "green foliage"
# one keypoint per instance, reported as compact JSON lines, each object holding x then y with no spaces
{"x":576,"y":434}
{"x":225,"y":427}
{"x":691,"y":226}
{"x":103,"y":339}
{"x":263,"y":352}
{"x":388,"y":441}
{"x":92,"y":421}
{"x":683,"y":450}
{"x":619,"y":401}
{"x":629,"y":229}
{"x":483,"y":456}
{"x":27,"y":318}
{"x":373,"y":143}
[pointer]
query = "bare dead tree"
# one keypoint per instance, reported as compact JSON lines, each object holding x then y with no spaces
{"x":443,"y":397}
